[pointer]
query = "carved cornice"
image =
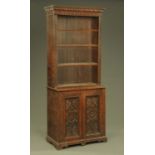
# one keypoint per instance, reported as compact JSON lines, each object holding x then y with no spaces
{"x":73,"y":11}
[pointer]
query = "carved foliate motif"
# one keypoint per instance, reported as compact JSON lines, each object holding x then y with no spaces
{"x":92,"y":115}
{"x":72,"y":116}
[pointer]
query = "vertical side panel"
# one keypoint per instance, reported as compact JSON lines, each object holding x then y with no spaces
{"x":52,"y":57}
{"x":102,"y":112}
{"x":99,"y":50}
{"x":53,"y":115}
{"x":60,"y":112}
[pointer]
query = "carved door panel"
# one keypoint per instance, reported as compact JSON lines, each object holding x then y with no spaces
{"x":94,"y":111}
{"x":72,"y":116}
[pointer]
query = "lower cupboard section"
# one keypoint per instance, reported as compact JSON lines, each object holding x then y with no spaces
{"x":76,"y":116}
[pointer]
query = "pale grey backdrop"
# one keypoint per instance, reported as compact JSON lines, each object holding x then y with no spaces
{"x":112,"y":77}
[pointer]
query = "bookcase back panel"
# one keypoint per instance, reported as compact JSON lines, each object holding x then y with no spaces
{"x":77,"y":37}
{"x":77,"y":30}
{"x":77,"y":23}
{"x":78,"y":74}
{"x":75,"y":55}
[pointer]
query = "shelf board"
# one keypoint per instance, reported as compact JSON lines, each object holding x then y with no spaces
{"x":77,"y":45}
{"x":76,"y":87}
{"x":78,"y":30}
{"x":78,"y":64}
{"x":77,"y":84}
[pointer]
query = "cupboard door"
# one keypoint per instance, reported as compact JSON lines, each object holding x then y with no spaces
{"x":72,"y":116}
{"x":94,"y":112}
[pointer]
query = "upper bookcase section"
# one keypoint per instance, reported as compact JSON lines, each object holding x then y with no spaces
{"x":73,"y":11}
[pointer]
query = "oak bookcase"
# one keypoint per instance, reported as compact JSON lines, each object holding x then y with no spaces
{"x":76,"y":99}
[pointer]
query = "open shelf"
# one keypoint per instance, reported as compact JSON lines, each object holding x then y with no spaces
{"x":76,"y":22}
{"x":77,"y":31}
{"x":77,"y":55}
{"x":77,"y":74}
{"x":77,"y":64}
{"x":77,"y":47}
{"x":77,"y":84}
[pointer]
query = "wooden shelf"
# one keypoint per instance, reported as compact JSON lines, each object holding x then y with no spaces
{"x":78,"y":64}
{"x":78,"y":30}
{"x":77,"y":45}
{"x":77,"y":84}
